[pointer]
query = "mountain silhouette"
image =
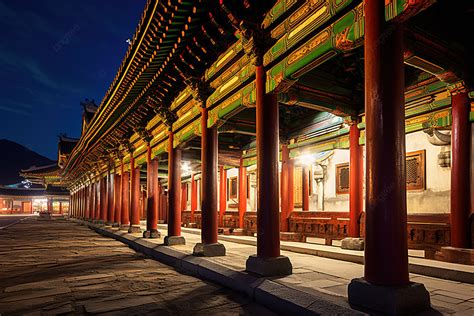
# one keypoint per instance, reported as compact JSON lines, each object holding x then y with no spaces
{"x":15,"y":157}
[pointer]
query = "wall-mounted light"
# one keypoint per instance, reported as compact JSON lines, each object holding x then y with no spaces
{"x":306,"y":159}
{"x":185,"y":168}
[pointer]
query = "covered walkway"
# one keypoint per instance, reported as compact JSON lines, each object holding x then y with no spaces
{"x":318,"y":275}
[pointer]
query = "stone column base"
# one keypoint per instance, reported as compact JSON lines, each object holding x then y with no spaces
{"x":269,"y":266}
{"x":124,"y":227}
{"x":352,"y":243}
{"x":209,"y":250}
{"x":109,"y":224}
{"x":134,"y":229}
{"x":151,"y":234}
{"x":116,"y":225}
{"x":174,"y":240}
{"x":392,"y":300}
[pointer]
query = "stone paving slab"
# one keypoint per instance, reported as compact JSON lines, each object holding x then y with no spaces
{"x":439,"y":269}
{"x":308,"y":269}
{"x":96,"y":279}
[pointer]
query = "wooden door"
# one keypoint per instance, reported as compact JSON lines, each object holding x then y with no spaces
{"x":26,"y":207}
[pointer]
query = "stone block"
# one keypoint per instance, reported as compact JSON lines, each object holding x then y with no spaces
{"x":124,"y":227}
{"x":290,"y":236}
{"x":151,"y":234}
{"x":209,"y":250}
{"x":174,"y":240}
{"x":134,"y":229}
{"x":456,"y":255}
{"x":269,"y":266}
{"x":391,"y":300}
{"x":352,"y":243}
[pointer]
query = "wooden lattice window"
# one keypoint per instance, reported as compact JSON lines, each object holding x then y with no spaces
{"x":342,"y":178}
{"x":415,"y":168}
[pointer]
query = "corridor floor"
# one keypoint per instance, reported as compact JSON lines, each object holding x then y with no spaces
{"x":50,"y":267}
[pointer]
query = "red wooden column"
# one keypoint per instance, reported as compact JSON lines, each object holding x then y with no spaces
{"x":134,"y":197}
{"x":174,"y":195}
{"x":159,"y":199}
{"x":110,"y":199}
{"x":222,"y":194}
{"x":98,"y":200}
{"x":50,"y":205}
{"x":291,"y":186}
{"x":356,"y":173}
{"x":143,"y":204}
{"x":386,"y":249}
{"x":460,"y":169}
{"x":184,"y":196}
{"x":242,"y":192}
{"x":61,"y":208}
{"x":284,"y":187}
{"x":85,"y":200}
{"x":78,"y":203}
{"x":125,"y":188}
{"x":74,"y":204}
{"x":193,"y":197}
{"x":152,"y":196}
{"x":76,"y":211}
{"x":71,"y":201}
{"x":117,"y":200}
{"x":209,"y":150}
{"x":268,"y":260}
{"x":305,"y":190}
{"x":88,"y":206}
{"x":93,"y":202}
{"x":103,"y":200}
{"x":79,"y":200}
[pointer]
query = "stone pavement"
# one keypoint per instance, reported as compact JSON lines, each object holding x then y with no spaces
{"x":7,"y":220}
{"x":313,"y":274}
{"x":50,"y":267}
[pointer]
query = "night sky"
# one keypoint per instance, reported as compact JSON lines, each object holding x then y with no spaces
{"x":53,"y":55}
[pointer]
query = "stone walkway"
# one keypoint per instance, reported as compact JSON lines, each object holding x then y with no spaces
{"x":50,"y":267}
{"x":314,"y":274}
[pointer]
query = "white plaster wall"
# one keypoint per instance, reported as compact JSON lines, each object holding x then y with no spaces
{"x":436,"y":197}
{"x":231,"y":173}
{"x":335,"y":202}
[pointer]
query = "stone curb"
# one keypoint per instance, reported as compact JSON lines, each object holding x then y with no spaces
{"x":436,"y":272}
{"x":275,"y":296}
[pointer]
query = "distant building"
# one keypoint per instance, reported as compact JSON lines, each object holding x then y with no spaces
{"x":43,"y":190}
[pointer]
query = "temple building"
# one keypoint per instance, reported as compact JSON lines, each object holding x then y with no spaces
{"x":310,"y":121}
{"x":43,"y":191}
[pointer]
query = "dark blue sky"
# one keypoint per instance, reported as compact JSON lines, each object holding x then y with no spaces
{"x":53,"y":54}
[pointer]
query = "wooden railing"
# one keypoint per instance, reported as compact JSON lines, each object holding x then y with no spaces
{"x":425,"y":231}
{"x":327,"y":225}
